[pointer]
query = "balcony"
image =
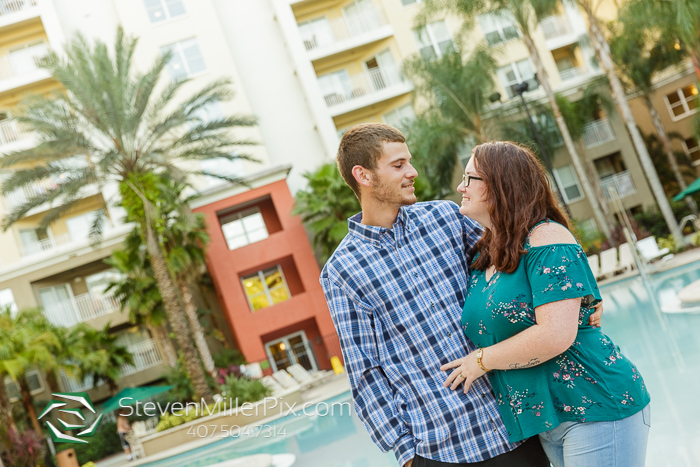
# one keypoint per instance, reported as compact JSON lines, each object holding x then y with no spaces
{"x":572,"y":73}
{"x":80,"y":308}
{"x":558,"y":31}
{"x":364,"y":89}
{"x":12,"y":132}
{"x":13,"y":11}
{"x":146,"y":355}
{"x":620,"y":183}
{"x":20,"y":68}
{"x":597,"y":132}
{"x":71,"y":385}
{"x":44,"y":245}
{"x":324,"y":38}
{"x":21,"y":195}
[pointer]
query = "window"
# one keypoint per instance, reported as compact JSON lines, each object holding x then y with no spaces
{"x":33,"y":379}
{"x":411,"y":2}
{"x":335,"y":87}
{"x":498,"y":27}
{"x":160,"y":10}
{"x":515,"y":73}
{"x":692,"y":149}
{"x":400,"y":117}
{"x":433,"y":40}
{"x":682,"y":102}
{"x":79,"y":226}
{"x":243,"y":228}
{"x":33,"y":239}
{"x":265,"y":288}
{"x":186,"y":59}
{"x":7,"y":300}
{"x":568,"y":182}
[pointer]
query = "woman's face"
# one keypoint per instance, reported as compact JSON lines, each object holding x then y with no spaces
{"x":474,"y":196}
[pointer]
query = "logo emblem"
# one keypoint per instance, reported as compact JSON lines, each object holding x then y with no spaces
{"x":74,"y":415}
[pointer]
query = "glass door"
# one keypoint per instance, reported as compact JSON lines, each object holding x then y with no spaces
{"x":58,"y":305}
{"x":290,"y":350}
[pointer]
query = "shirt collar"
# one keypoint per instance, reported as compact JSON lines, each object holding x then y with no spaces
{"x":372,"y":232}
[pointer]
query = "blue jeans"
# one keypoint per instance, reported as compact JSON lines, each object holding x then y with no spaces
{"x":620,"y":443}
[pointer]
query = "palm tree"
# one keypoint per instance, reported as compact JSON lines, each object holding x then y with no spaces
{"x":456,"y":89}
{"x":27,"y":344}
{"x":525,"y":13}
{"x":605,"y":59}
{"x":103,"y":357}
{"x":6,"y":418}
{"x":112,"y":114}
{"x":641,"y":51}
{"x":138,"y":292}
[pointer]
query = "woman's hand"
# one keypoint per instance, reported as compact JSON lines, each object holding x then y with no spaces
{"x":594,"y":319}
{"x":466,"y":370}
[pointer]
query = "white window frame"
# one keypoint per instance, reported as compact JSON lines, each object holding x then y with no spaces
{"x":313,"y":40}
{"x":239,"y":216}
{"x":563,"y":187}
{"x":519,"y":78}
{"x":500,"y":24}
{"x":683,"y":102}
{"x":403,"y":119}
{"x":31,"y":391}
{"x":431,"y":38}
{"x":285,"y":339}
{"x":266,"y":291}
{"x":166,"y":17}
{"x":178,"y":52}
{"x":689,"y":153}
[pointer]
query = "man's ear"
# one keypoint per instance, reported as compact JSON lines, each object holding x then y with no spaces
{"x":363,"y":177}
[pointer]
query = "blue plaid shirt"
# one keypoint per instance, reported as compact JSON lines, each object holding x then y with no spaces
{"x":396,"y":299}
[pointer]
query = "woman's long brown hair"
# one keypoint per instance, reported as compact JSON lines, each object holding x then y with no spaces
{"x":518,"y":196}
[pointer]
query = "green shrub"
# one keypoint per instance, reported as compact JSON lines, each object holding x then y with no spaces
{"x":105,"y":443}
{"x":667,"y":242}
{"x":228,"y":357}
{"x":244,"y":389}
{"x":695,"y":239}
{"x":180,"y":417}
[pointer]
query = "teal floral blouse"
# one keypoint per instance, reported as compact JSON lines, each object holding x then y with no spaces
{"x":591,"y":381}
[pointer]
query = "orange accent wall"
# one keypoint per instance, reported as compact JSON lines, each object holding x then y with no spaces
{"x":287,"y":245}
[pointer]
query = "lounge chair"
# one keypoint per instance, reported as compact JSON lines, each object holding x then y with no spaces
{"x":273,"y":385}
{"x":649,"y":249}
{"x":626,"y":257}
{"x":594,"y":265}
{"x":300,"y":374}
{"x":285,"y":379}
{"x":608,"y":262}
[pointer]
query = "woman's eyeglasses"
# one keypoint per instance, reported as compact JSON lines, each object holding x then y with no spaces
{"x":466,"y":179}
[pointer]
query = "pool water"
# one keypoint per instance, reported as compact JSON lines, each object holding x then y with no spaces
{"x":665,"y":348}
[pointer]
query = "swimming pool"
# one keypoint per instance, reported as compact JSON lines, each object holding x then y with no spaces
{"x":665,"y":348}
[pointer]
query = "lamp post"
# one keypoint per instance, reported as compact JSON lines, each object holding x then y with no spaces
{"x":520,"y":89}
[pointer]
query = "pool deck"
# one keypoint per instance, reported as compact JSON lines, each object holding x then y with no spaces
{"x":335,"y":386}
{"x":680,"y":259}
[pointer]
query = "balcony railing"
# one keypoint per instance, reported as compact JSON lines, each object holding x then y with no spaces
{"x":572,"y":73}
{"x":20,"y":196}
{"x":555,"y":26}
{"x":71,"y":385}
{"x":11,"y":131}
{"x":620,"y":183}
{"x":23,"y":61}
{"x":597,"y":132}
{"x":340,"y":29}
{"x":363,"y":84}
{"x":81,"y":308}
{"x":145,"y":355}
{"x":8,"y":7}
{"x":44,"y":245}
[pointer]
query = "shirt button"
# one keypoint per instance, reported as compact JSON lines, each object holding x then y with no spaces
{"x":449,"y":334}
{"x":483,"y":394}
{"x":432,"y":304}
{"x":415,"y":274}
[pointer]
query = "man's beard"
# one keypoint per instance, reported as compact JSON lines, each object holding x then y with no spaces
{"x":387,"y":194}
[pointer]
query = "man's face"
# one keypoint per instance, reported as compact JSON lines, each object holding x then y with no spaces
{"x":392,"y":180}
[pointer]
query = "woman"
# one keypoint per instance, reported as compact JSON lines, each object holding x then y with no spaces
{"x":124,"y":427}
{"x":530,"y":293}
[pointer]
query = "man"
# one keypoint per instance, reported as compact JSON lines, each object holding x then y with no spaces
{"x":395,"y":287}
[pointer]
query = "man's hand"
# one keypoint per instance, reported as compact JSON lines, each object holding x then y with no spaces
{"x":409,"y":463}
{"x":594,"y":319}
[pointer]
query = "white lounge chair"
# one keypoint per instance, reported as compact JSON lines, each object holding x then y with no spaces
{"x":594,"y":265}
{"x":649,"y":249}
{"x":300,"y":374}
{"x":285,"y":379}
{"x":273,"y":385}
{"x":608,"y":262}
{"x":626,"y":257}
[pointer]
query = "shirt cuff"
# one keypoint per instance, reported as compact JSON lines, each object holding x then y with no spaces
{"x":405,"y":449}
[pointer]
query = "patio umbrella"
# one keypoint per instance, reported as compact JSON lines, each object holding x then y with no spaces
{"x":692,"y":188}
{"x":129,"y":396}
